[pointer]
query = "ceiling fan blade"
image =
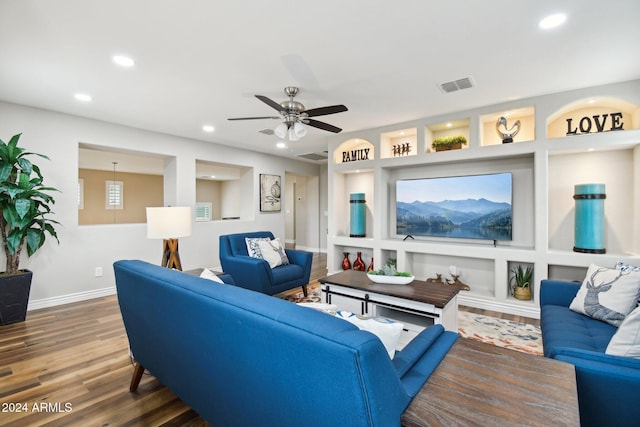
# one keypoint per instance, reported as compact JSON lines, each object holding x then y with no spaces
{"x":271,"y":103}
{"x":254,"y":118}
{"x":322,"y":125}
{"x":323,"y":111}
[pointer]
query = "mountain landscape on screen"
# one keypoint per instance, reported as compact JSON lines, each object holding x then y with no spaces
{"x":470,"y":218}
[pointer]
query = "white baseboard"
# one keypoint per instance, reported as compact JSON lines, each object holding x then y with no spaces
{"x":305,"y":248}
{"x":517,"y":309}
{"x":66,"y":299}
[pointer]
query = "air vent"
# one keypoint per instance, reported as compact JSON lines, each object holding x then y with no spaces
{"x":266,"y":131}
{"x":314,"y":156}
{"x":455,"y":85}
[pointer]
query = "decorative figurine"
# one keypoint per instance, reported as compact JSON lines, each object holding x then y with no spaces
{"x":458,"y":283}
{"x":437,"y":279}
{"x":509,"y":133}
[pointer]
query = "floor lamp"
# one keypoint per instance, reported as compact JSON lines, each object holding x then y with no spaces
{"x":169,"y":223}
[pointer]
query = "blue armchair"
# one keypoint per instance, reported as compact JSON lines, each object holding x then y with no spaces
{"x":608,"y":386}
{"x":256,"y":274}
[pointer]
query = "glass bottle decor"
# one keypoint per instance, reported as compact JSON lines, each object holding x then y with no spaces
{"x":346,"y":264}
{"x":359,"y":264}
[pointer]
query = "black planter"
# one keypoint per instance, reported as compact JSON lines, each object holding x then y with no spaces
{"x":14,"y":296}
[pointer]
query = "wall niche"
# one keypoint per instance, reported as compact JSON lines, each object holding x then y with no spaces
{"x":227,"y":188}
{"x":139,"y":178}
{"x":593,"y":115}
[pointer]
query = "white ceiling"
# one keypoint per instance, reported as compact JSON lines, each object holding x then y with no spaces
{"x":202,"y":61}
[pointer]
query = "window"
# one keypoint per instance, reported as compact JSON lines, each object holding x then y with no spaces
{"x":203,"y":211}
{"x":114,"y":195}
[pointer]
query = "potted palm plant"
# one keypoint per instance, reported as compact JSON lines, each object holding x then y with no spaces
{"x":25,"y":206}
{"x":522,"y":282}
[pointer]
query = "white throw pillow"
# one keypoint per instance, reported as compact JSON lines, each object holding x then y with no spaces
{"x":320,"y":306}
{"x":208,"y":274}
{"x":626,"y":341}
{"x":252,"y":246}
{"x":273,"y":252}
{"x":386,"y":329}
{"x":608,"y":294}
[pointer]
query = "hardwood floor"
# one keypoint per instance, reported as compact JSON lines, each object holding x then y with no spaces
{"x":69,"y":366}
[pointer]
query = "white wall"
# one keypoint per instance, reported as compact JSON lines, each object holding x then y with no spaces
{"x":66,"y":272}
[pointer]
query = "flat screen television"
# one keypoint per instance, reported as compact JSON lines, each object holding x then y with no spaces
{"x":468,"y":207}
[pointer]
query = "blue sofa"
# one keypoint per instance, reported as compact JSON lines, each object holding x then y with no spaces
{"x":608,"y":386}
{"x":255,"y":274}
{"x":242,"y":358}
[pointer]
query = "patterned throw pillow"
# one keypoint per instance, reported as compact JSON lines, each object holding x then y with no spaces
{"x":608,"y":294}
{"x":273,"y":252}
{"x":252,"y":246}
{"x":626,"y":340}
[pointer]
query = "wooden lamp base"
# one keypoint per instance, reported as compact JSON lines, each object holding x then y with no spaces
{"x":170,"y":255}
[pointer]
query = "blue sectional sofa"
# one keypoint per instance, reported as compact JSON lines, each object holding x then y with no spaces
{"x":242,"y":358}
{"x":608,"y":386}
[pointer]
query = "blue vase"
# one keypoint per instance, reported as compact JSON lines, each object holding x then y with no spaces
{"x":589,"y":220}
{"x":358,"y":215}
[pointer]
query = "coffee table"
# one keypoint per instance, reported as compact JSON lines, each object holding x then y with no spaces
{"x":417,"y":305}
{"x":479,"y":384}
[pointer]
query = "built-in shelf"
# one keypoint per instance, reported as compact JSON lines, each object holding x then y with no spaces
{"x":450,"y":128}
{"x":520,"y":119}
{"x":545,"y":168}
{"x":399,"y":143}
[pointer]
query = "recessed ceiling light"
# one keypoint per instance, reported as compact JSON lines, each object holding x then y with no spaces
{"x":552,"y":21}
{"x":123,"y":61}
{"x":281,"y":145}
{"x":449,"y":124}
{"x":208,"y":128}
{"x":82,"y":97}
{"x":591,"y":101}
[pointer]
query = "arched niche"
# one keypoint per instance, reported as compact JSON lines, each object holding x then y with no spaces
{"x":353,"y":150}
{"x":593,"y":115}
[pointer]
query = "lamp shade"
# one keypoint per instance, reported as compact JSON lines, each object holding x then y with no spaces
{"x":299,"y":129}
{"x":281,"y":130}
{"x":292,"y":135}
{"x":168,"y":222}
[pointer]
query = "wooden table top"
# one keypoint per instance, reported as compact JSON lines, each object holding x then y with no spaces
{"x":480,"y":384}
{"x":431,"y":293}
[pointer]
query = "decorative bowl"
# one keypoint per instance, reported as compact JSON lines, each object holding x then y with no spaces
{"x":390,"y":280}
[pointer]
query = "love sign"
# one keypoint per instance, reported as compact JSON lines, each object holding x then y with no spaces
{"x":598,"y":122}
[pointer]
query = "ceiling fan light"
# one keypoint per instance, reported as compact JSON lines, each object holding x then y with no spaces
{"x":292,"y":134}
{"x":299,"y":129}
{"x":281,"y":130}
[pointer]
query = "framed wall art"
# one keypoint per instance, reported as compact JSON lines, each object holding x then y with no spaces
{"x":270,"y":192}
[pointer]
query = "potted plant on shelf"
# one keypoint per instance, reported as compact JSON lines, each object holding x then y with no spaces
{"x":24,"y":209}
{"x":444,"y":143}
{"x":522,"y":282}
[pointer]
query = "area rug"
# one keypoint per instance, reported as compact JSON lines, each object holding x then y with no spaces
{"x":314,"y":295}
{"x":500,"y":332}
{"x":491,"y":330}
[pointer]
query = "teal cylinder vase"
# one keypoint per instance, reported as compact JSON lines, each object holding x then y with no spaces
{"x":589,"y":221}
{"x":358,"y":215}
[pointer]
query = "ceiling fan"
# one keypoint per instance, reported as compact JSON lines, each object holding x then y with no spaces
{"x":294,"y":115}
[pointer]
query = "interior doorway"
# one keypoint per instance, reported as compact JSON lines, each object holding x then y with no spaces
{"x":301,"y":208}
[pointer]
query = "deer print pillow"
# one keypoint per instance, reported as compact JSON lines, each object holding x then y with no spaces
{"x":608,"y":294}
